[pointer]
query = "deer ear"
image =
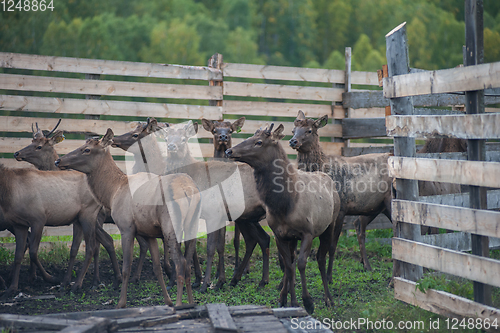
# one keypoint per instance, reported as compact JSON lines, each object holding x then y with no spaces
{"x":238,"y":124}
{"x":107,"y":139}
{"x":191,"y":128}
{"x":57,"y":138}
{"x":152,"y":125}
{"x":321,"y":121}
{"x":301,"y":115}
{"x":207,"y":124}
{"x":278,"y":133}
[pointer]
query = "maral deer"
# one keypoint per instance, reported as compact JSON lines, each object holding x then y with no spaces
{"x":148,"y":158}
{"x":242,"y":207}
{"x":222,"y":132}
{"x":363,"y":182}
{"x":299,"y":206}
{"x":42,"y":154}
{"x":34,"y":199}
{"x":146,"y":204}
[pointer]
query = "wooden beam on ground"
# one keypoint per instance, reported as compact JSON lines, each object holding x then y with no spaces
{"x":443,"y":303}
{"x":468,"y":266}
{"x":482,"y":222}
{"x":353,"y":128}
{"x":107,"y":88}
{"x":245,"y":89}
{"x":106,"y":67}
{"x":470,"y":126}
{"x":221,"y":318}
{"x":107,"y":107}
{"x":475,"y":173}
{"x":467,"y":78}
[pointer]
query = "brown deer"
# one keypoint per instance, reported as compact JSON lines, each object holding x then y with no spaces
{"x":34,"y":199}
{"x":210,"y":176}
{"x":222,"y":132}
{"x":148,"y":158}
{"x":363,"y":182}
{"x":42,"y":154}
{"x":146,"y":204}
{"x":299,"y":206}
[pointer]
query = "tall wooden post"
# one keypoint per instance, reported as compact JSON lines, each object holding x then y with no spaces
{"x":474,"y":104}
{"x":398,"y":64}
{"x":215,"y":61}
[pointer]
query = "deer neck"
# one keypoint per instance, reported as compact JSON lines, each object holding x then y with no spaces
{"x":48,"y":163}
{"x":311,"y":158}
{"x":148,"y":157}
{"x":276,"y":184}
{"x":106,"y":179}
{"x":176,"y":162}
{"x":220,"y":151}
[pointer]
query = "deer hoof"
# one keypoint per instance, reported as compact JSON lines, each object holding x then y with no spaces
{"x":263,"y":283}
{"x":309,"y":305}
{"x":219,"y":285}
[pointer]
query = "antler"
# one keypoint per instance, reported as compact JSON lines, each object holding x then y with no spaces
{"x":52,"y":129}
{"x":268,"y":131}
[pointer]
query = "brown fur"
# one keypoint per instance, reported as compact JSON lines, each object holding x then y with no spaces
{"x":299,"y":206}
{"x":150,"y":211}
{"x":222,"y":131}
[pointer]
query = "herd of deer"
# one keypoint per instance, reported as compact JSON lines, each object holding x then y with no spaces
{"x":166,"y":194}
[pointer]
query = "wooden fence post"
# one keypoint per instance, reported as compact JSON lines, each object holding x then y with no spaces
{"x":474,"y":104}
{"x":398,"y":63}
{"x":215,"y":61}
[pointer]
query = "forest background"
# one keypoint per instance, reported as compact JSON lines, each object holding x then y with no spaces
{"x":302,"y":33}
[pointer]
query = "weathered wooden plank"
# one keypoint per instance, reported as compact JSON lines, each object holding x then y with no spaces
{"x":467,"y":78}
{"x":17,"y":321}
{"x":375,"y":99}
{"x":464,"y":265}
{"x":353,"y":128}
{"x":482,"y":222}
{"x":491,"y":156}
{"x":470,"y":126}
{"x":282,"y":92}
{"x":462,"y":199}
{"x":147,"y":311}
{"x":289,"y":312}
{"x":221,"y":318}
{"x":107,"y":88}
{"x":90,"y":325}
{"x":476,"y":173}
{"x":161,"y":321}
{"x":443,"y":303}
{"x":457,"y":241}
{"x":367,"y":113}
{"x":109,"y":108}
{"x":107,"y":67}
{"x":275,"y":109}
{"x":356,"y":151}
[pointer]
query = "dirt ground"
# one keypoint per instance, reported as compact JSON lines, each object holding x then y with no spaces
{"x":65,"y":301}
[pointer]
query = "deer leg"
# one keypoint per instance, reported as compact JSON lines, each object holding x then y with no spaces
{"x":325,"y":240}
{"x":143,"y":250}
{"x":75,"y":245}
{"x":337,"y":229}
{"x":305,"y":250}
{"x":35,"y":238}
{"x":88,"y":226}
{"x":155,"y":257}
{"x":197,"y":269}
{"x":236,"y":243}
{"x":107,"y":241}
{"x":190,"y":246}
{"x":250,"y":243}
{"x":127,"y":247}
{"x":291,"y":286}
{"x":264,"y":242}
{"x":21,"y":234}
{"x":284,"y":249}
{"x":221,"y":245}
{"x":360,"y":225}
{"x":212,"y":239}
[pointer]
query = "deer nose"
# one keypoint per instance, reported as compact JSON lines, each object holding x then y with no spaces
{"x":229,"y":152}
{"x":293,"y":142}
{"x":57,"y":162}
{"x":16,"y":154}
{"x":172,"y":147}
{"x":223,"y":137}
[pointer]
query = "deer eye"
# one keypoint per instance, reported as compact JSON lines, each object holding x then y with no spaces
{"x":135,"y":135}
{"x":38,"y":147}
{"x":310,"y":131}
{"x":258,"y":143}
{"x":87,"y":150}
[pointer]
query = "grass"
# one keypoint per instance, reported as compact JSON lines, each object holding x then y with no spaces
{"x":356,"y":292}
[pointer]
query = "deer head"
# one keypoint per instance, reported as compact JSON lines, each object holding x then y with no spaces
{"x":41,"y":152}
{"x":143,"y":129}
{"x":305,"y":132}
{"x":222,"y":131}
{"x":176,"y":138}
{"x":89,"y":156}
{"x":261,"y":149}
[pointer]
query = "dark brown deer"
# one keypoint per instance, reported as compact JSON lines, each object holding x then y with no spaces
{"x":42,"y":154}
{"x":363,"y":182}
{"x":299,"y":206}
{"x":34,"y":199}
{"x":146,"y":204}
{"x":222,"y":132}
{"x":210,"y":176}
{"x":141,"y":143}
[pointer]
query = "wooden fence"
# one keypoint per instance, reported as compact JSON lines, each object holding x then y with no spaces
{"x":463,"y":212}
